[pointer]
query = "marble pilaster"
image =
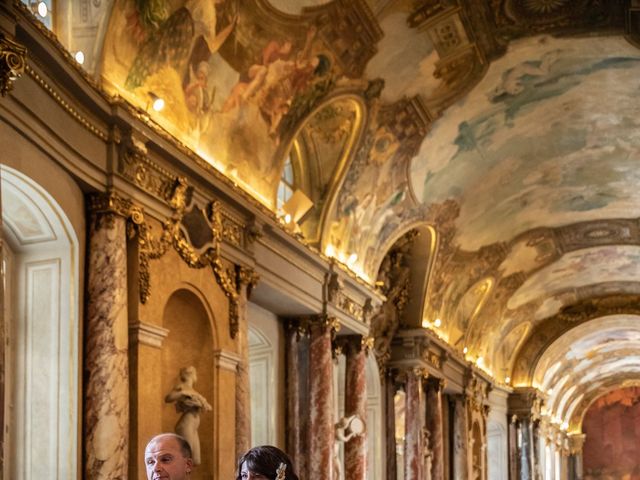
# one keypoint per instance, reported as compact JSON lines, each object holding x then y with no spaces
{"x":322,"y":430}
{"x":355,"y":454}
{"x":414,"y":431}
{"x":460,"y":438}
{"x":294,"y":439}
{"x":106,"y":405}
{"x":434,"y":423}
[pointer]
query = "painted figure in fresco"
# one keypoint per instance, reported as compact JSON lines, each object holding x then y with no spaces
{"x":273,"y":84}
{"x":170,"y":40}
{"x":190,"y":404}
{"x":265,"y":462}
{"x":168,"y":456}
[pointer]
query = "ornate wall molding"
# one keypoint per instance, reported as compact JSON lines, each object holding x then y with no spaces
{"x":53,"y":93}
{"x":147,"y":334}
{"x":136,"y":167}
{"x":336,"y":295}
{"x":12,"y":63}
{"x":177,"y":235}
{"x":526,"y":403}
{"x":226,"y":360}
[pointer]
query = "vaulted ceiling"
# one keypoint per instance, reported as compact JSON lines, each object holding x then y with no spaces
{"x":507,"y":127}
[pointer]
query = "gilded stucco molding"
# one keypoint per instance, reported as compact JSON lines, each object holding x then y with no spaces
{"x":105,"y":206}
{"x":12,"y":63}
{"x":336,"y":296}
{"x":526,"y":403}
{"x":135,"y":166}
{"x":476,"y":392}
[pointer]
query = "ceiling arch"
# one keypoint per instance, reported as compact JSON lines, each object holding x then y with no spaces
{"x":584,"y":361}
{"x":554,"y":328}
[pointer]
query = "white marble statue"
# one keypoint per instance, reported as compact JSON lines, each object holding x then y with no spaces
{"x":190,"y":404}
{"x":345,"y":430}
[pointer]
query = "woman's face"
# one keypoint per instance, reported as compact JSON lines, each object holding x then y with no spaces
{"x":246,"y":474}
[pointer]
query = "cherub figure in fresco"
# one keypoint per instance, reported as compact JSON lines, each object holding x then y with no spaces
{"x":273,"y":83}
{"x":196,"y":92}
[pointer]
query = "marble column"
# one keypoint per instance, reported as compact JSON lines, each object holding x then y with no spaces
{"x":106,"y":404}
{"x":536,"y":455}
{"x":434,"y":423}
{"x":355,"y":450}
{"x":513,"y":447}
{"x":525,"y":449}
{"x":243,"y":397}
{"x":460,"y":438}
{"x":295,"y":441}
{"x":414,"y":430}
{"x":322,"y":421}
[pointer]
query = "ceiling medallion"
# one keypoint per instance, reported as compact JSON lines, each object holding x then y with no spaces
{"x":543,"y":6}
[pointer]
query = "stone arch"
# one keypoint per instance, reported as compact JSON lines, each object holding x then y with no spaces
{"x":42,"y":311}
{"x":321,"y":189}
{"x":550,"y":329}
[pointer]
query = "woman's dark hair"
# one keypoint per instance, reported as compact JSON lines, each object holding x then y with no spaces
{"x":265,"y":460}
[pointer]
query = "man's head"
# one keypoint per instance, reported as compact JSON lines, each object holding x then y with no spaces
{"x":168,"y":457}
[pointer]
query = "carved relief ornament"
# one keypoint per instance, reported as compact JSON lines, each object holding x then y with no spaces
{"x":105,"y":206}
{"x":12,"y":63}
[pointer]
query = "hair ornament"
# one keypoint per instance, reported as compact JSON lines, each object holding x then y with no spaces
{"x":281,"y":471}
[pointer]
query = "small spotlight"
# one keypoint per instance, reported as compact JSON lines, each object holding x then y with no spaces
{"x":158,"y":104}
{"x":43,"y":10}
{"x":287,"y":218}
{"x":465,"y":350}
{"x":507,"y":380}
{"x":480,"y":361}
{"x":352,"y":259}
{"x":437,"y":323}
{"x":330,"y":252}
{"x":79,"y":56}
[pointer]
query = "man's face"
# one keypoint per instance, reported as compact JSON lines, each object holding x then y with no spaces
{"x":164,"y":460}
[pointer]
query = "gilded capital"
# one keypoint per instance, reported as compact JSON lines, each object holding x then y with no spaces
{"x":12,"y":63}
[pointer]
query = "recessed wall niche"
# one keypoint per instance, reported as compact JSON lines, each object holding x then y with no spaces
{"x":189,"y":343}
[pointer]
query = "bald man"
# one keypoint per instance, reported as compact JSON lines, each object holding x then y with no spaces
{"x":168,"y":457}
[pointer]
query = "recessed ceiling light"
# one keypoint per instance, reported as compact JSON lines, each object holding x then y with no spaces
{"x":43,"y":9}
{"x":158,"y":104}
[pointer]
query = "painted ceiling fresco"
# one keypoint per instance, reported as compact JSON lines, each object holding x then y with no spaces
{"x":537,"y":142}
{"x":500,"y":126}
{"x":580,"y":362}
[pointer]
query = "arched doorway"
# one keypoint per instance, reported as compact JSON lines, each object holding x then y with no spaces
{"x":41,"y":278}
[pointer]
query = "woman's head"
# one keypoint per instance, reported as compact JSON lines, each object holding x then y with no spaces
{"x":263,"y":462}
